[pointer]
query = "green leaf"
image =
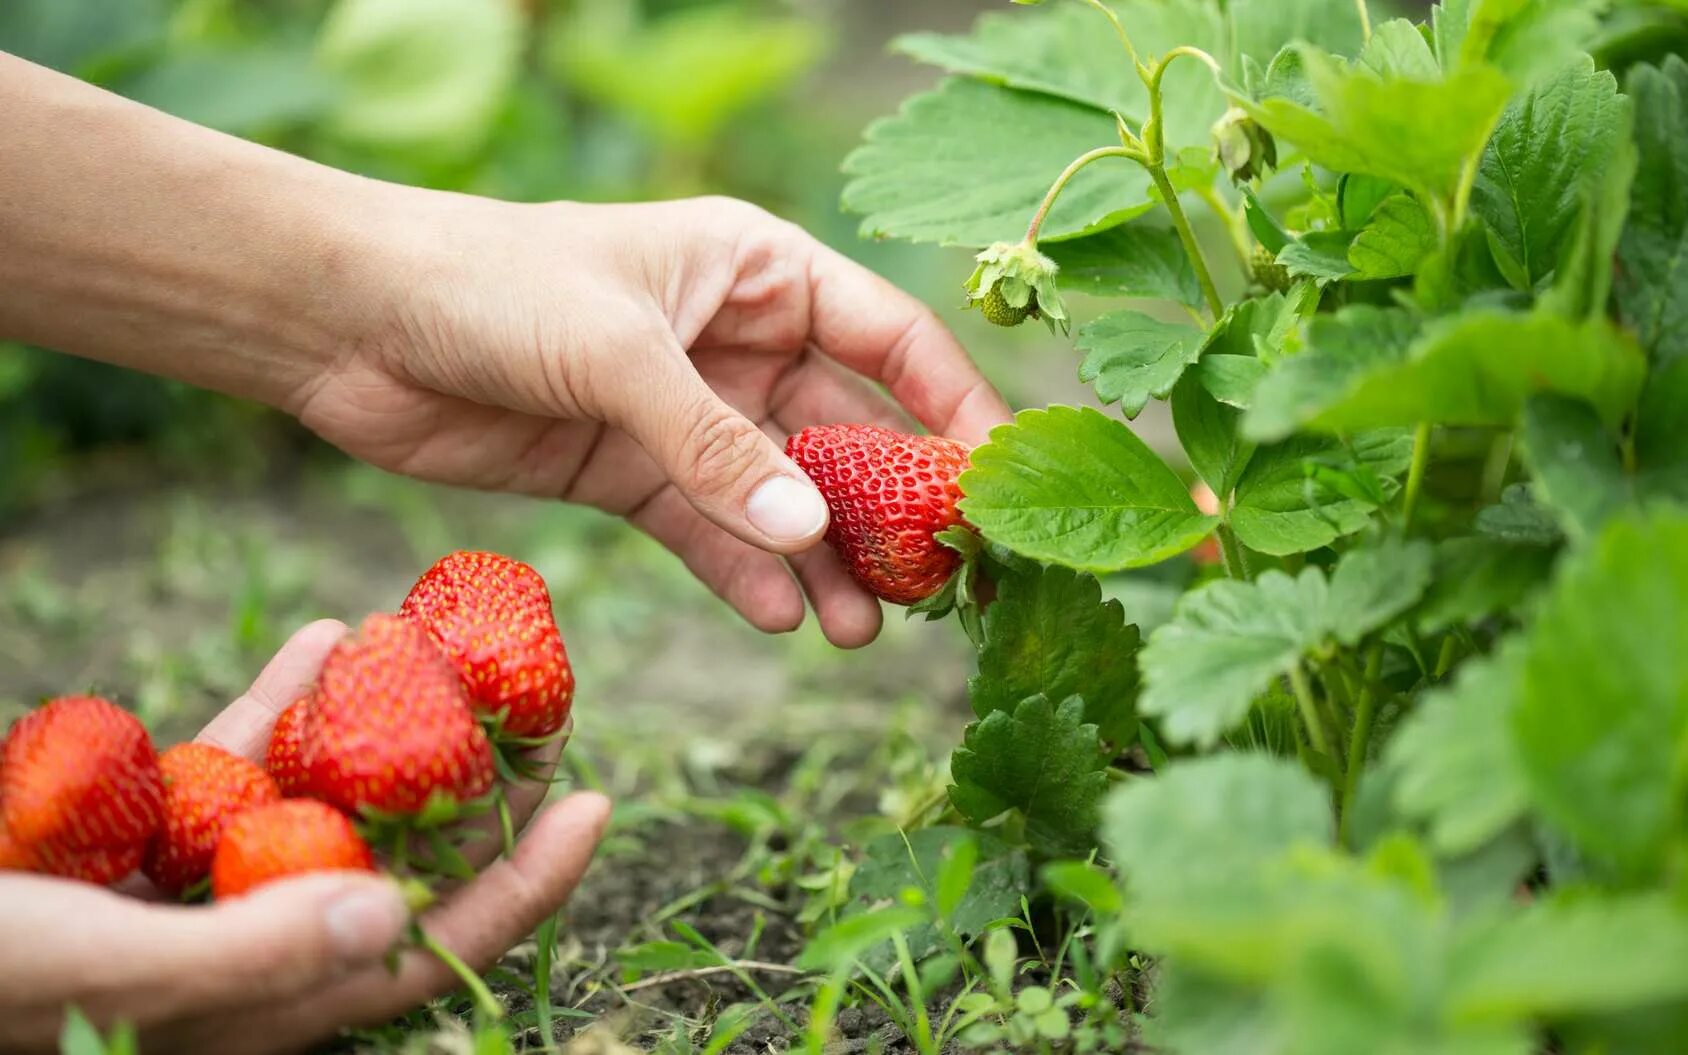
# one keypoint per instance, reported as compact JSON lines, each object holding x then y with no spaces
{"x":1340,"y":350}
{"x":244,"y":92}
{"x":1228,"y":640}
{"x":1231,"y":379}
{"x":1576,"y":462}
{"x":1394,"y":240}
{"x":1131,"y":260}
{"x":1480,"y":367}
{"x":1072,"y":486}
{"x":1050,"y":633}
{"x":1477,"y":577}
{"x":425,"y":75}
{"x":1321,"y":255}
{"x":1653,"y":253}
{"x":1308,"y":491}
{"x":898,"y":861}
{"x":1548,"y":149}
{"x":1523,"y":39}
{"x":1260,"y":27}
{"x":1454,"y":762}
{"x":1661,"y":432}
{"x":1130,"y":356}
{"x":1208,"y":431}
{"x":1207,"y":823}
{"x":1572,"y":956}
{"x":1519,"y":518}
{"x":1602,"y":716}
{"x":1582,"y":285}
{"x":1398,"y":49}
{"x":842,"y":944}
{"x":968,"y":163}
{"x":1041,"y":760}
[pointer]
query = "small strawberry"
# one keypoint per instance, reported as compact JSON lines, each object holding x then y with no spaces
{"x":204,"y":788}
{"x":997,"y":311}
{"x":284,"y":839}
{"x":889,"y":494}
{"x":80,"y":773}
{"x":285,"y":757}
{"x":390,"y":727}
{"x":491,"y":616}
{"x":101,"y":867}
{"x":14,"y":855}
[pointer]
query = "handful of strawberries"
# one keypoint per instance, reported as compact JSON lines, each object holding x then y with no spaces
{"x":407,"y":729}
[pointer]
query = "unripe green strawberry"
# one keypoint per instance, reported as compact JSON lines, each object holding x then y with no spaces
{"x":997,"y":310}
{"x":284,"y":839}
{"x":491,"y":616}
{"x":390,"y":727}
{"x":1268,"y":272}
{"x":204,"y":788}
{"x":80,"y":774}
{"x":889,"y":494}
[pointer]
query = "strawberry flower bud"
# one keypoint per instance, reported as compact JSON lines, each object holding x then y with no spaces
{"x":1243,"y":147}
{"x":1013,"y":282}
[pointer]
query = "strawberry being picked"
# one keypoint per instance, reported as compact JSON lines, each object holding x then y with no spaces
{"x":285,"y":756}
{"x":491,"y":616}
{"x":80,"y":791}
{"x":389,"y":727}
{"x":889,"y":493}
{"x":285,"y":839}
{"x":205,"y":787}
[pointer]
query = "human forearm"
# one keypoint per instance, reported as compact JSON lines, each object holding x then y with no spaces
{"x":138,"y":239}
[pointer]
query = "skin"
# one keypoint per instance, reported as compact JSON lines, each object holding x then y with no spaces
{"x":649,"y":360}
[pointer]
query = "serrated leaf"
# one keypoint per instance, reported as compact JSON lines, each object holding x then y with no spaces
{"x":1228,"y":640}
{"x":1308,"y":491}
{"x":1130,"y":357}
{"x":1394,"y":240}
{"x":1602,"y":714}
{"x":1040,"y":759}
{"x":1340,"y":350}
{"x":1231,"y":379}
{"x":1653,"y":252}
{"x":1259,"y":28}
{"x":1454,"y":762}
{"x":1072,"y":486}
{"x":1523,"y":39}
{"x":1208,"y":431}
{"x":898,"y":861}
{"x":921,"y":174}
{"x":1398,"y":49}
{"x":1519,"y":518}
{"x":1477,"y":577}
{"x":1321,"y":255}
{"x":1480,"y":367}
{"x":1131,"y":260}
{"x":1549,"y":147}
{"x":1577,"y":465}
{"x":1050,"y":633}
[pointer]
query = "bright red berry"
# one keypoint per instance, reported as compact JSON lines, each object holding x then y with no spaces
{"x":79,"y":774}
{"x":284,"y":839}
{"x":889,"y":493}
{"x":491,"y":615}
{"x":285,"y":758}
{"x":102,"y":867}
{"x":204,"y":788}
{"x":390,"y":726}
{"x":14,"y":855}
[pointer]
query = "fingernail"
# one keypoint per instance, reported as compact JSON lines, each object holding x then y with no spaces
{"x":786,"y":509}
{"x":365,"y":923}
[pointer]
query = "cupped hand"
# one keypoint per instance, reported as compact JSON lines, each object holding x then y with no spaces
{"x":290,"y":963}
{"x":649,"y":360}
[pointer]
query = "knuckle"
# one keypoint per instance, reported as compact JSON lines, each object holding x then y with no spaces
{"x":719,"y":449}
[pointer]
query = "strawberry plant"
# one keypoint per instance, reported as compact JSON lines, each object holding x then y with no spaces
{"x":1405,"y":769}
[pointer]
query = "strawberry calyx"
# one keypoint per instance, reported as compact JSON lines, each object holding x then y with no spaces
{"x":960,"y":593}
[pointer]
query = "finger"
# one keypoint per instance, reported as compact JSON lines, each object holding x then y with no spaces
{"x":480,"y":923}
{"x":878,"y":330}
{"x":724,"y":465}
{"x":849,"y":616}
{"x":818,"y":391}
{"x":755,"y":583}
{"x":485,"y":839}
{"x":244,"y":726}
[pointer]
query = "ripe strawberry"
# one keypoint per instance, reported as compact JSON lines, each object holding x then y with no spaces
{"x":285,"y":839}
{"x":204,"y":788}
{"x":889,"y":493}
{"x":390,"y":726}
{"x":1207,"y":550}
{"x":14,"y":855}
{"x":102,"y":867}
{"x":492,"y":618}
{"x":285,"y":757}
{"x":80,"y":774}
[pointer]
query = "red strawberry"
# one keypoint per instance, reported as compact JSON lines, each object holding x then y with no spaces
{"x":102,"y":867}
{"x":285,"y":839}
{"x":80,"y":774}
{"x":204,"y":788}
{"x":285,"y":757}
{"x":14,"y":855}
{"x":491,"y":615}
{"x":390,"y":726}
{"x":889,"y":493}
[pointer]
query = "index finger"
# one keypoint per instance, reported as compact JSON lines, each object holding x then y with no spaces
{"x":244,"y":726}
{"x":876,"y":329}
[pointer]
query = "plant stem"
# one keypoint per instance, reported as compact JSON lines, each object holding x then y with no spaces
{"x":1415,"y":474}
{"x":1210,"y":294}
{"x":1236,"y":563}
{"x":1360,"y":741}
{"x":1119,"y":29}
{"x":1234,"y":225}
{"x":1494,"y":468}
{"x":485,"y":1002}
{"x":1066,"y":176}
{"x":1309,"y":711}
{"x":1365,"y":19}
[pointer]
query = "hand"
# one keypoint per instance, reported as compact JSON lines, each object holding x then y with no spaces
{"x":649,"y":360}
{"x":292,"y":962}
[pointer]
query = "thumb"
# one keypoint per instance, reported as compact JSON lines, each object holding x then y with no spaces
{"x":727,"y":467}
{"x":276,"y":942}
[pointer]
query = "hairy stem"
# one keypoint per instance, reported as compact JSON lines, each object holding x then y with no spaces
{"x":1064,"y":178}
{"x":1365,"y":19}
{"x":1236,"y":562}
{"x":1415,"y":474}
{"x":485,"y":1003}
{"x":1309,"y":711}
{"x":1360,"y":741}
{"x":1119,"y":30}
{"x":1210,"y":293}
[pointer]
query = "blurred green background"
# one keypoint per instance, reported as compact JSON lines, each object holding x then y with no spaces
{"x":158,"y":542}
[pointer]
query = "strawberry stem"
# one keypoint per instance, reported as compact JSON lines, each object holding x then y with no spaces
{"x":506,"y":824}
{"x":486,"y":1004}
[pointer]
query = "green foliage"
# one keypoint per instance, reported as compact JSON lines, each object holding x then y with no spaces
{"x":1039,"y":759}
